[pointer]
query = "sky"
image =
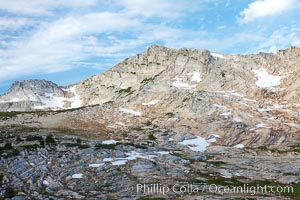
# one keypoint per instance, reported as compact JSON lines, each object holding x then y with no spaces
{"x":67,"y":41}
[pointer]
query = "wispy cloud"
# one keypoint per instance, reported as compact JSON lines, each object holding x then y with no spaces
{"x":57,"y":46}
{"x":44,"y":7}
{"x":15,"y":23}
{"x":47,"y":36}
{"x":281,"y":38}
{"x":263,"y":8}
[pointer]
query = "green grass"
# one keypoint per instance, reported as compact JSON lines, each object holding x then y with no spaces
{"x":136,"y":128}
{"x":10,"y":192}
{"x":30,"y":147}
{"x":170,"y":114}
{"x":67,"y":144}
{"x":147,"y":80}
{"x":6,"y":115}
{"x":127,"y":91}
{"x":151,"y":79}
{"x":33,"y":138}
{"x":10,"y":152}
{"x":105,"y":146}
{"x":83,"y":146}
{"x":217,"y":163}
{"x":135,"y":145}
{"x":151,"y":137}
{"x":294,"y":148}
{"x":185,"y":99}
{"x":147,"y":123}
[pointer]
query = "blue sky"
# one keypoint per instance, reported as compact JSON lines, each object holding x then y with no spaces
{"x":68,"y":40}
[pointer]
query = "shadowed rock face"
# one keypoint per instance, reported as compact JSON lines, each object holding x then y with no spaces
{"x":245,"y":99}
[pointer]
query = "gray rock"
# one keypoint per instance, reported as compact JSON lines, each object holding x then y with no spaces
{"x":18,"y":198}
{"x":289,"y":179}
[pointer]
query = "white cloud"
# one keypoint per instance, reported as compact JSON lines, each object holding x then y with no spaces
{"x":63,"y":44}
{"x":41,"y":7}
{"x":281,"y":39}
{"x":154,"y":8}
{"x":14,"y":23}
{"x":263,"y":8}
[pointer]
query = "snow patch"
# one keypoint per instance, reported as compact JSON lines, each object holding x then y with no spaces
{"x":55,"y":102}
{"x":217,"y":55}
{"x":261,"y":126}
{"x":239,"y":146}
{"x":219,"y":106}
{"x":119,"y":162}
{"x":50,"y":101}
{"x":76,"y":102}
{"x":130,"y":156}
{"x":237,"y":119}
{"x":77,"y":176}
{"x":162,"y":152}
{"x":182,"y":85}
{"x":107,"y":159}
{"x":109,"y":142}
{"x":198,"y":144}
{"x":45,"y":182}
{"x":226,"y":113}
{"x":96,"y":165}
{"x":123,"y":86}
{"x":153,"y":102}
{"x":120,"y":123}
{"x":195,"y":77}
{"x":236,"y":94}
{"x":264,"y":79}
{"x":125,"y":110}
{"x":292,"y":125}
{"x":212,"y":139}
{"x":134,"y":155}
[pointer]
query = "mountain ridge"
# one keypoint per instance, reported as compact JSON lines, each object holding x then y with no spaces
{"x":244,"y":99}
{"x":142,"y":65}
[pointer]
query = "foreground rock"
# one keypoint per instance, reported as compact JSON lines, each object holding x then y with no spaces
{"x":72,"y":166}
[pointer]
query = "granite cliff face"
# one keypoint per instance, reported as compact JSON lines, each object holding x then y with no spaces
{"x":160,"y":70}
{"x":244,"y":99}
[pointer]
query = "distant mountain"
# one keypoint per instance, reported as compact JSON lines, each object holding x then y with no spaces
{"x":31,"y":95}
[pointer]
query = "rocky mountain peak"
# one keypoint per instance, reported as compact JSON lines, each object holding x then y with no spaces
{"x":37,"y":94}
{"x":36,"y":86}
{"x":291,"y":51}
